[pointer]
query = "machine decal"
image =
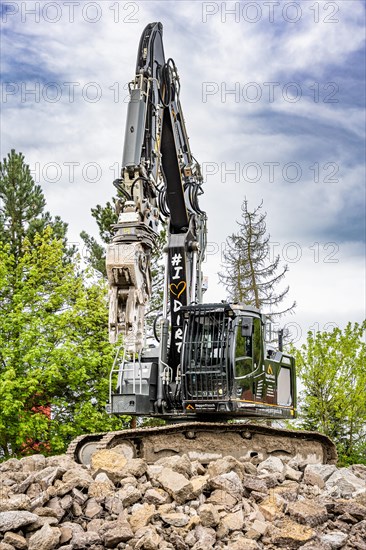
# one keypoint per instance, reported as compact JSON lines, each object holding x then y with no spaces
{"x":178,"y":298}
{"x":178,"y":289}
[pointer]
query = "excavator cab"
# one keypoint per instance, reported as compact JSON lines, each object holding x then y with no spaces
{"x":226,"y":367}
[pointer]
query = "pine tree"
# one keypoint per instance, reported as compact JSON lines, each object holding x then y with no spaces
{"x":250,"y":275}
{"x":22,"y":206}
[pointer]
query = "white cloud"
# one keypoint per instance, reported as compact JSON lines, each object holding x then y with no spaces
{"x":220,"y":132}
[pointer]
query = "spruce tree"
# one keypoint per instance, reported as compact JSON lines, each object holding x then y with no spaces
{"x":250,"y":275}
{"x":22,"y":205}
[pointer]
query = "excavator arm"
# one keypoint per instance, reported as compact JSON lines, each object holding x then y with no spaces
{"x":159,"y":179}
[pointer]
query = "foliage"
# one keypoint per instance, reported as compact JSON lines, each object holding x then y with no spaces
{"x":22,"y":205}
{"x":105,"y":216}
{"x":249,"y":274}
{"x":331,"y":366}
{"x":52,"y":349}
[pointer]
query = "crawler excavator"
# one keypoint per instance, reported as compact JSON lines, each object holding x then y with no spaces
{"x":212,"y":370}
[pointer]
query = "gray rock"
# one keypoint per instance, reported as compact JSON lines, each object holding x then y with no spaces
{"x":48,"y":475}
{"x":121,"y":533}
{"x":308,"y":512}
{"x":318,"y":474}
{"x":177,"y":485}
{"x":205,"y":537}
{"x":343,"y":483}
{"x":229,"y":482}
{"x":41,"y":521}
{"x":66,"y":502}
{"x":92,"y":508}
{"x":156,"y":496}
{"x":82,"y":540}
{"x":208,"y":515}
{"x":292,"y":474}
{"x":180,"y":464}
{"x":272,"y":464}
{"x":11,"y":465}
{"x":54,"y":504}
{"x":135,"y":467}
{"x":356,"y":510}
{"x":336,"y":539}
{"x":224,"y":466}
{"x":62,"y":461}
{"x":113,"y":504}
{"x":254,"y":484}
{"x":151,"y":540}
{"x":11,"y":521}
{"x":17,"y":541}
{"x":128,"y":495}
{"x":16,"y":502}
{"x":177,"y":519}
{"x":78,"y":496}
{"x":77,"y":477}
{"x":33,"y":463}
{"x":46,"y":538}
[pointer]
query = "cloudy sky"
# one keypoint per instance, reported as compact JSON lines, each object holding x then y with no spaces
{"x":273,"y":94}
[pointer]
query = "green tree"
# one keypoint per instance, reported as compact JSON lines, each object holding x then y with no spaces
{"x":105,"y":216}
{"x":53,"y":351}
{"x":22,"y":205}
{"x":54,"y":347}
{"x":331,"y":366}
{"x":249,"y":274}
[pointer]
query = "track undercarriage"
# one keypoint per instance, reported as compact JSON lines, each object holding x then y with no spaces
{"x":207,"y":441}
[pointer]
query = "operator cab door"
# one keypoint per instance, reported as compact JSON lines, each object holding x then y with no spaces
{"x":248,"y":359}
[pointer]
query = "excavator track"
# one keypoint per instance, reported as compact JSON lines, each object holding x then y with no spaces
{"x":207,"y":441}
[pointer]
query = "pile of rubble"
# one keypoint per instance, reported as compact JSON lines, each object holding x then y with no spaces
{"x":179,"y":504}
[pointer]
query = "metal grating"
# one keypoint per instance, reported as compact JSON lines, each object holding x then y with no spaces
{"x":206,"y":355}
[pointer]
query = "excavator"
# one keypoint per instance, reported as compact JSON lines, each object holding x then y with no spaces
{"x":212,"y":371}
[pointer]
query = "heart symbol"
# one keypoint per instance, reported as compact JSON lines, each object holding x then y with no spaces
{"x":178,"y":289}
